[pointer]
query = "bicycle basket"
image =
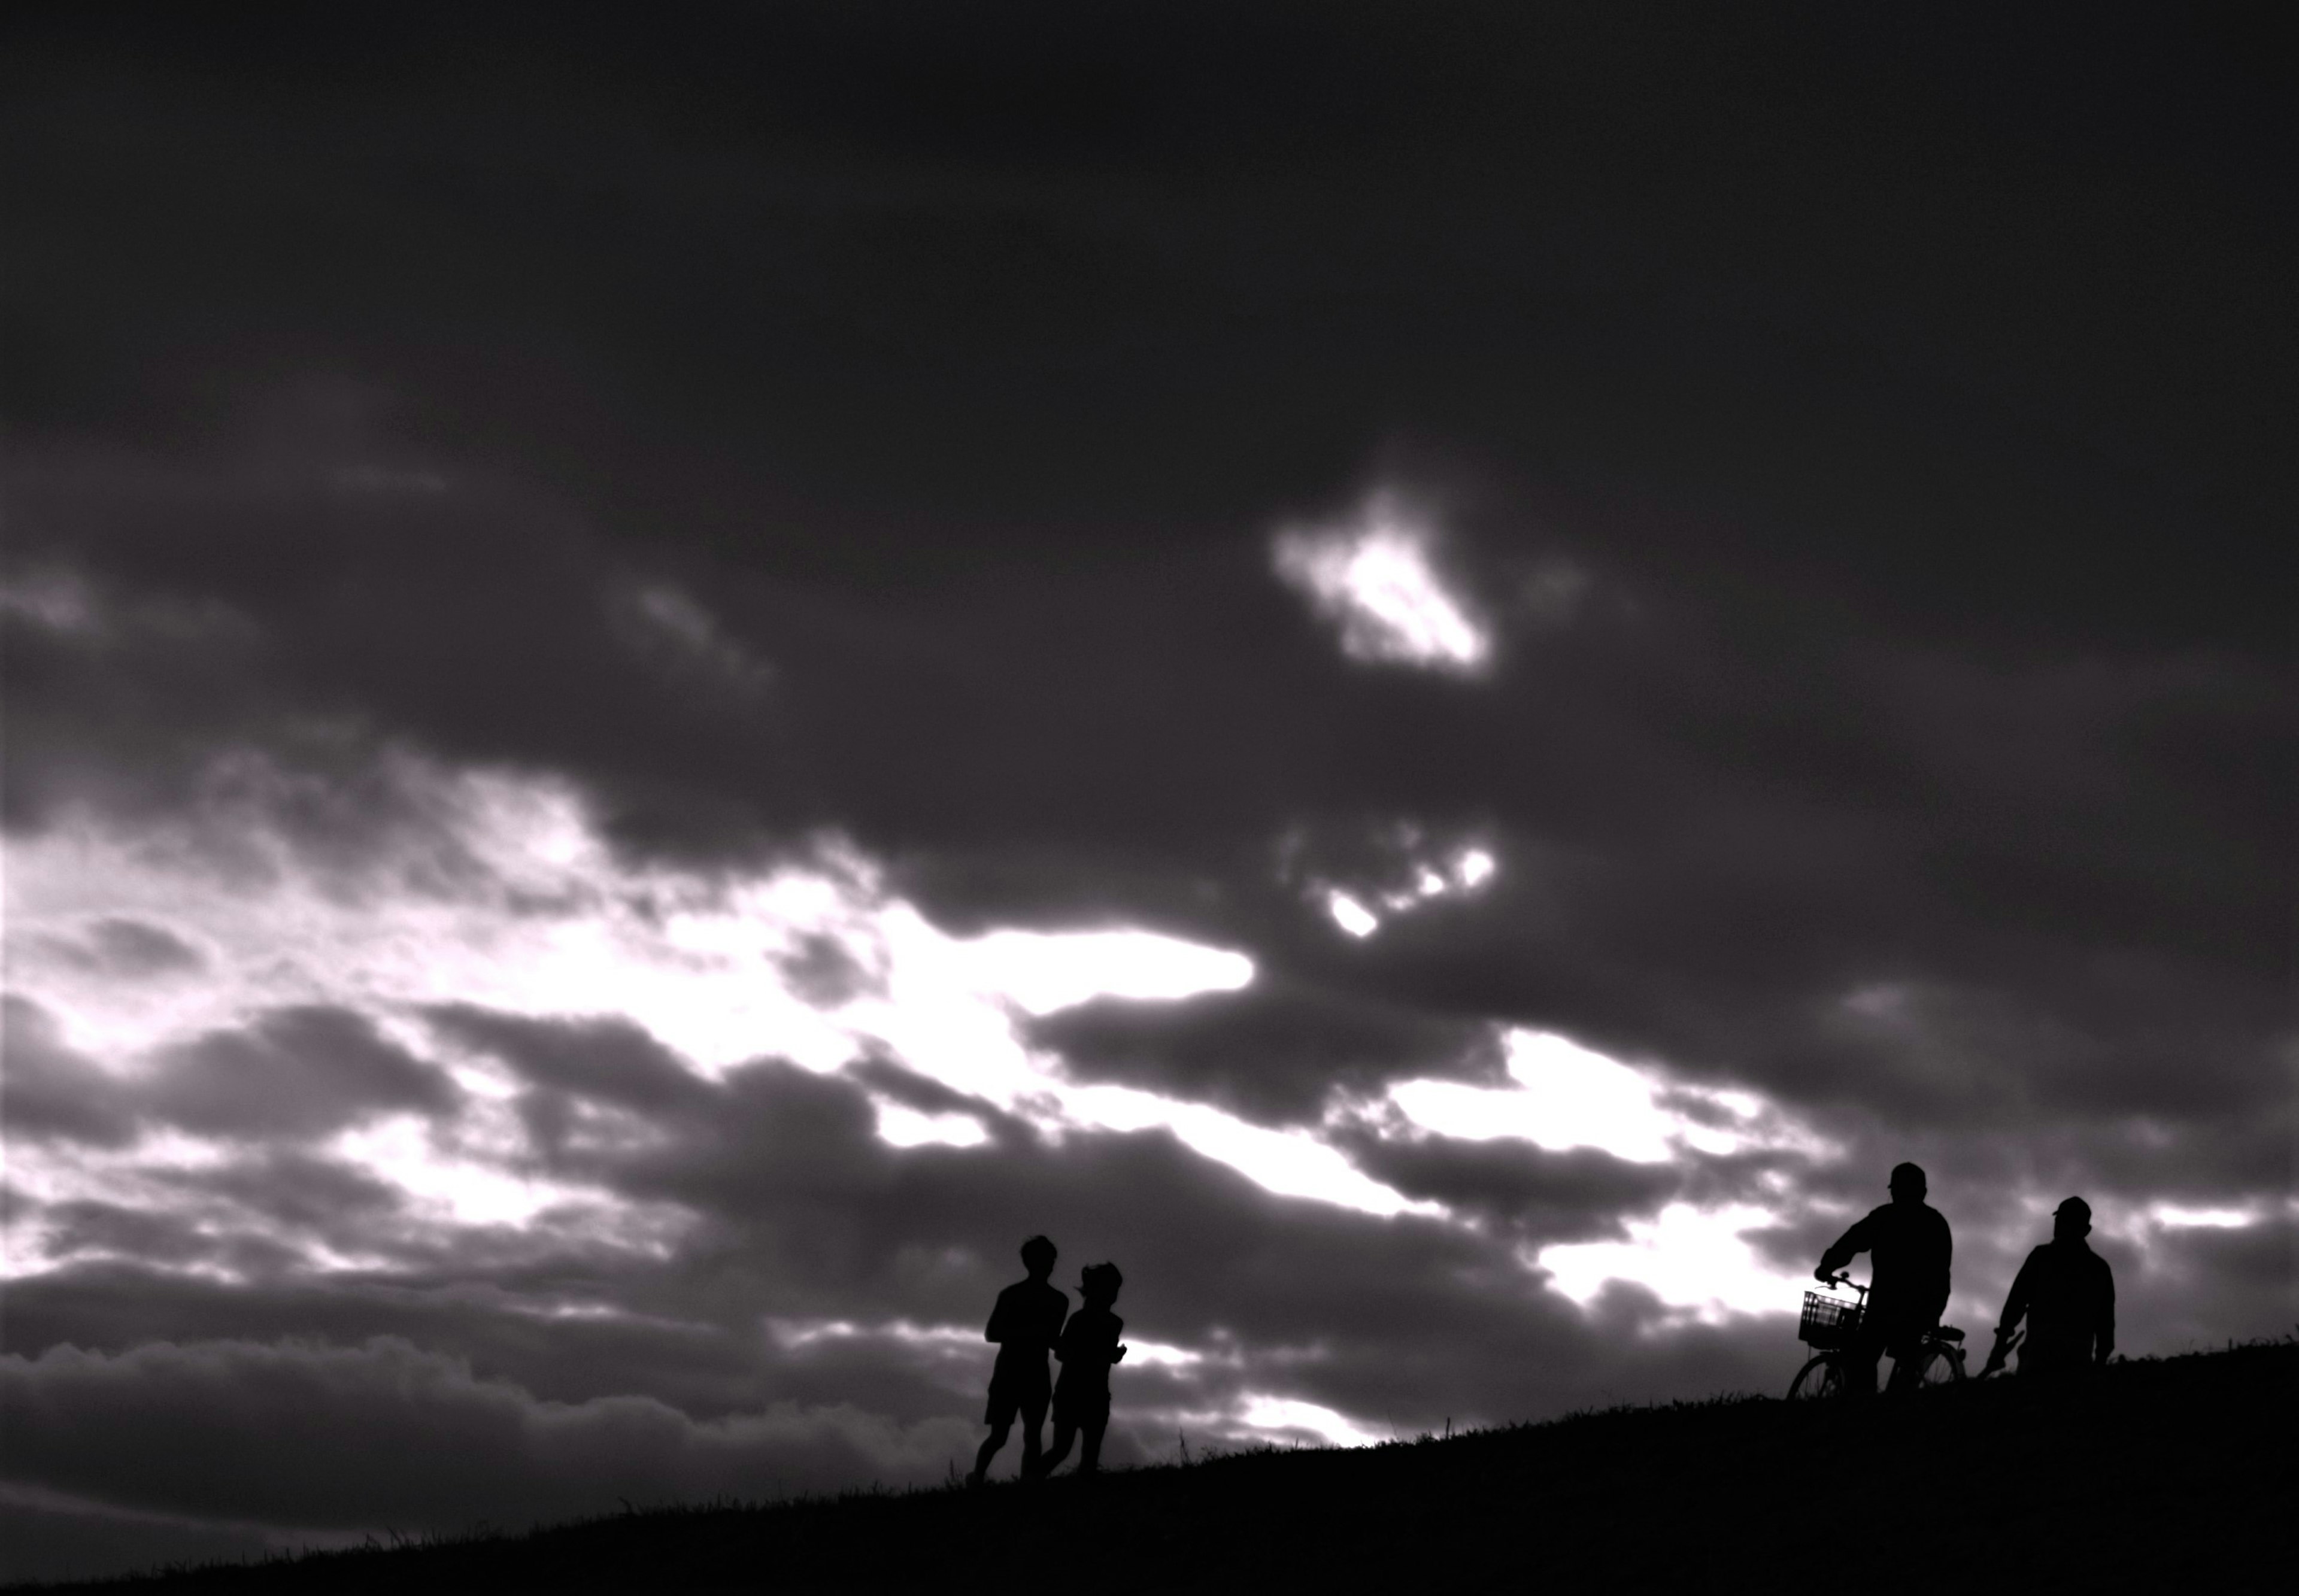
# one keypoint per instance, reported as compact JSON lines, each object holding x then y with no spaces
{"x":1828,"y":1321}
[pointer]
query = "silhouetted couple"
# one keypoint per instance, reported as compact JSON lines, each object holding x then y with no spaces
{"x":2065,"y":1289}
{"x":1031,"y":1319}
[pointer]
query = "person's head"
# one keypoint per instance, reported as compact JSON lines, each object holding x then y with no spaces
{"x":1908,"y":1184}
{"x":1099,"y":1283}
{"x":1038,"y":1257}
{"x":2071,"y":1220}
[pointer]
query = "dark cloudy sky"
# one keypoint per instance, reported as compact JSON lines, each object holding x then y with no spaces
{"x":1436,"y":674}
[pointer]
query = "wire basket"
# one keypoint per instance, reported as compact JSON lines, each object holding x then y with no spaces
{"x":1828,"y":1321}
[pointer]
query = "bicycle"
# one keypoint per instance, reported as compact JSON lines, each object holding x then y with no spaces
{"x":1829,"y":1326}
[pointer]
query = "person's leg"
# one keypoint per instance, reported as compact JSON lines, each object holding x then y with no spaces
{"x":1859,"y":1362}
{"x":1907,"y":1362}
{"x":999,"y":1415}
{"x":1033,"y":1420}
{"x":989,"y":1451}
{"x":1908,"y":1356}
{"x":1064,"y":1433}
{"x":1090,"y":1456}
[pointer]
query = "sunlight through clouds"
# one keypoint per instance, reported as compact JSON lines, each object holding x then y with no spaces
{"x":1044,"y":971}
{"x":1351,"y":915}
{"x":1273,"y":1416}
{"x":540,"y":918}
{"x":2171,"y":1215}
{"x":456,"y":1186}
{"x":1689,"y":1259}
{"x":1567,"y":1095}
{"x":1425,"y":878}
{"x":1374,"y":579}
{"x":543,"y":920}
{"x":1287,"y":1162}
{"x":901,"y":1126}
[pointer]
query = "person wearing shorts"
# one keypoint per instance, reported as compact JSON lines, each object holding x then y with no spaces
{"x":1024,"y":1324}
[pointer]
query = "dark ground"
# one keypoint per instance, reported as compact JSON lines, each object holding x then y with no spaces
{"x":2163,"y":1475}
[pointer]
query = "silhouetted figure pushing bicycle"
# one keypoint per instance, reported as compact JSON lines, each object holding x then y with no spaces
{"x":1088,"y":1348}
{"x":1024,"y":1324}
{"x":2066,"y":1294}
{"x":1908,"y":1246}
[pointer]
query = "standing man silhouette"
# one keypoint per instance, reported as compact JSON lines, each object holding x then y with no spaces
{"x":1088,"y":1348}
{"x":1908,"y":1249}
{"x":1025,"y":1322}
{"x":2067,"y":1294}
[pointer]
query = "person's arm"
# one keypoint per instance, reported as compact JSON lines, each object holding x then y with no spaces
{"x":1848,"y":1245}
{"x":1117,"y":1329}
{"x":996,"y":1330}
{"x":2105,"y":1344}
{"x":2015,"y":1307}
{"x":1947,"y":1267}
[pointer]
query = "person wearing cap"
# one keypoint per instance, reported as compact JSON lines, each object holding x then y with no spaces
{"x":1909,"y":1248}
{"x":2066,"y":1293}
{"x":1088,"y":1347}
{"x":1024,"y":1324}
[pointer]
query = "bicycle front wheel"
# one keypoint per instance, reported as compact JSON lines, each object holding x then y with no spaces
{"x":1820,"y":1378}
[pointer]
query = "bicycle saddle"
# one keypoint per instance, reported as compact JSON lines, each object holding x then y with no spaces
{"x":1950,"y":1333}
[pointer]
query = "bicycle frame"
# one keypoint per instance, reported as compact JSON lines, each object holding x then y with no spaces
{"x":1942,"y":1342}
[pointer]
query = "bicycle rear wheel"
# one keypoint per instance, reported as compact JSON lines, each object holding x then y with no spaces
{"x":1820,"y":1378}
{"x":1942,"y":1366}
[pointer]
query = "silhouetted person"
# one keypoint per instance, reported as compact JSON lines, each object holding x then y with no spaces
{"x":2067,"y":1294}
{"x":1025,"y":1322}
{"x":1089,"y":1346}
{"x":1908,"y":1248}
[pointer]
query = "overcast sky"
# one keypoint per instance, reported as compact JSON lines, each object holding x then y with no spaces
{"x":1435,"y":674}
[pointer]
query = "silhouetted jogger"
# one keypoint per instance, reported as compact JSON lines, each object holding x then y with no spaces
{"x":2067,"y":1294}
{"x":1089,"y":1346}
{"x":1026,"y":1324}
{"x":1909,"y":1247}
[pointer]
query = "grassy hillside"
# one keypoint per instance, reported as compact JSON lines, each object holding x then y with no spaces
{"x":2158,"y":1475}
